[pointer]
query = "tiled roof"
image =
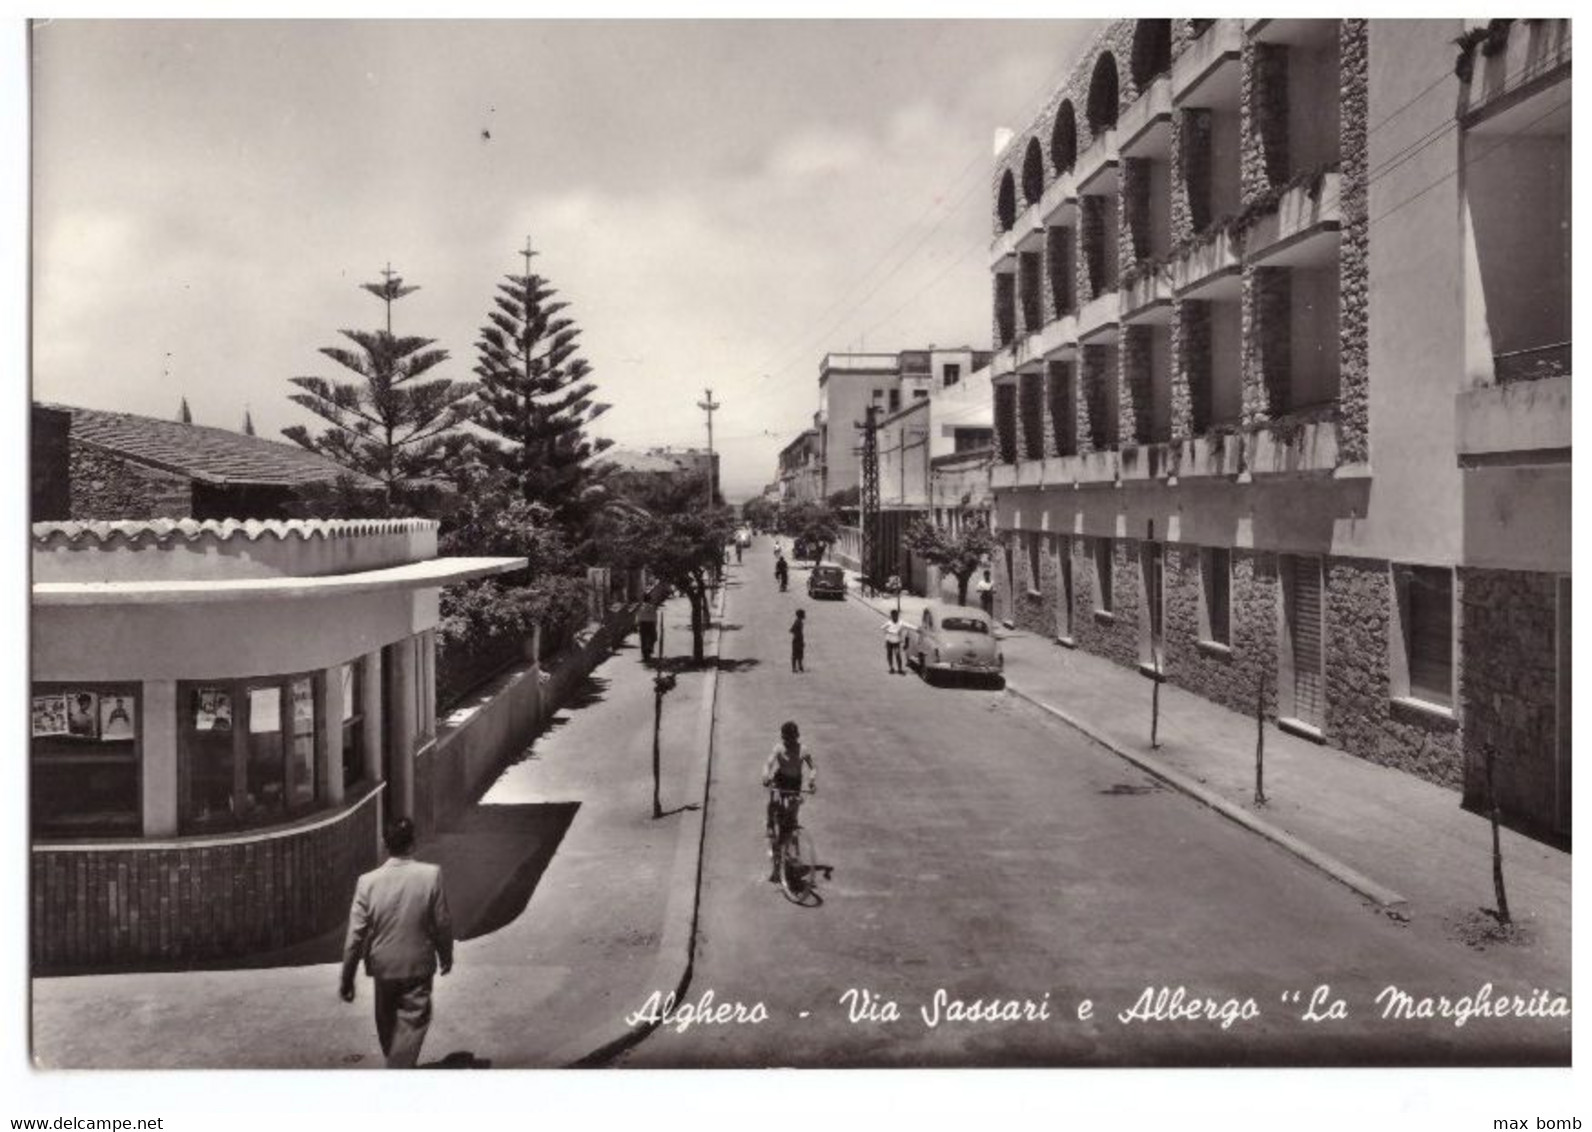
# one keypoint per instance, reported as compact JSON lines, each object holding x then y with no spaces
{"x":163,"y":531}
{"x":209,"y":455}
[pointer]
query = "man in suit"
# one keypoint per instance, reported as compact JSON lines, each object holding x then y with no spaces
{"x":400,"y":926}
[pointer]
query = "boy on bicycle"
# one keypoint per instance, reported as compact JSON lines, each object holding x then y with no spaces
{"x":783,"y":771}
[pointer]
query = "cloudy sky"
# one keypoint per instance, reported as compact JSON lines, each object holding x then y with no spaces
{"x":720,"y":202}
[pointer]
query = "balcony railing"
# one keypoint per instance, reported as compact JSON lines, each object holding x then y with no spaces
{"x":1303,"y":443}
{"x":1303,"y":229}
{"x":1533,"y":364}
{"x":1206,"y":74}
{"x":1145,"y":127}
{"x":1532,"y":51}
{"x":1211,"y":269}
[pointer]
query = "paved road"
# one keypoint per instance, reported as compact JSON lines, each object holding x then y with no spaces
{"x":984,"y":851}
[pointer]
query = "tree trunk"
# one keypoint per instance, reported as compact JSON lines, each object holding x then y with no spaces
{"x":657,"y":728}
{"x":698,"y":621}
{"x":1488,"y":757}
{"x":1260,"y":740}
{"x":961,"y":588}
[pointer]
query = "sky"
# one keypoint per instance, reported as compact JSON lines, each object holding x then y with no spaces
{"x":720,"y":202}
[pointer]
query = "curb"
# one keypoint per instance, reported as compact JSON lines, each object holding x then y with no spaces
{"x":685,"y":887}
{"x":1378,"y":894}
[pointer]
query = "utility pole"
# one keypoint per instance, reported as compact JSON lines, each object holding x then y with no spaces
{"x":709,"y":405}
{"x":870,"y":497}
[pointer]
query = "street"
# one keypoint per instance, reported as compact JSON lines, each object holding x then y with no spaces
{"x":983,"y":852}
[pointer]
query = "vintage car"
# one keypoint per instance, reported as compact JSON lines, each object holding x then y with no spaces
{"x":827,"y":581}
{"x":953,"y":639}
{"x":743,"y":536}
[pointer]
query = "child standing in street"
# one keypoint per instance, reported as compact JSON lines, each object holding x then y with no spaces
{"x":798,"y":641}
{"x":892,"y":643}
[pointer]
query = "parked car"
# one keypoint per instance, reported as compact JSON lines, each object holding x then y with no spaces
{"x":953,"y":639}
{"x":827,"y":581}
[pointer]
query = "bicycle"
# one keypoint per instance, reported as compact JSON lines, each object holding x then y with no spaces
{"x":795,"y":855}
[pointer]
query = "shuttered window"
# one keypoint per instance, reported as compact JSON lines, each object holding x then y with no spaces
{"x":1103,"y":594}
{"x":1429,"y":633}
{"x":1216,"y":576}
{"x":1305,"y":629}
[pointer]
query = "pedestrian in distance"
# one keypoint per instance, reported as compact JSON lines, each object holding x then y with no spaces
{"x":781,"y":571}
{"x":986,"y":596}
{"x":400,"y":927}
{"x":798,"y":641}
{"x":892,"y":643}
{"x":647,"y":627}
{"x":737,"y":552}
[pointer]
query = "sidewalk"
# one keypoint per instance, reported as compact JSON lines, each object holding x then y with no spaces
{"x":571,"y":904}
{"x":1401,"y":842}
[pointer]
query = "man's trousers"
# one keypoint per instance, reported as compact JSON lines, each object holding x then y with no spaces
{"x":403,"y":1012}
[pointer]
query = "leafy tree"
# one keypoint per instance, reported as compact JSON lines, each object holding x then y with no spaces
{"x":815,"y":526}
{"x":389,"y":424}
{"x":759,"y":512}
{"x":677,"y":539}
{"x":534,"y":395}
{"x":960,"y":554}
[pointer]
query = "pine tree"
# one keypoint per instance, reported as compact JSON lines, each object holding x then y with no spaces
{"x":390,"y":424}
{"x":534,"y":395}
{"x":184,"y":414}
{"x":248,"y":423}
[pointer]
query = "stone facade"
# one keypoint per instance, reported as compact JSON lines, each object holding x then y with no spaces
{"x":1263,"y":111}
{"x":1191,"y":367}
{"x":1134,"y":409}
{"x":1031,"y":412}
{"x":1354,"y":255}
{"x":1361,"y":716}
{"x":1062,"y":397}
{"x":1093,"y":279}
{"x":1062,"y":263}
{"x":1233,"y":676}
{"x":1096,"y":375}
{"x":1006,"y":423}
{"x":108,"y":487}
{"x":1509,"y":690}
{"x":1268,"y":342}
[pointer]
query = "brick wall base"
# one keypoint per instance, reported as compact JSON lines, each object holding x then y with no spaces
{"x":117,"y":906}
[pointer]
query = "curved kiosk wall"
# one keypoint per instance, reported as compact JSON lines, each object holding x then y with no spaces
{"x":223,"y":714}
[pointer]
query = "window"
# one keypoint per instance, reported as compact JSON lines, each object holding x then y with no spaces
{"x":1426,"y":615}
{"x":878,"y":394}
{"x":1032,"y":538}
{"x":953,"y":374}
{"x":85,"y":760}
{"x":1102,"y":561}
{"x":352,"y":707}
{"x":895,"y":399}
{"x":920,"y":394}
{"x":1216,"y":580}
{"x":249,"y":750}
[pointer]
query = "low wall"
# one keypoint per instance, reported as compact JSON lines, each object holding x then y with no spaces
{"x":486,"y":730}
{"x":115,"y":905}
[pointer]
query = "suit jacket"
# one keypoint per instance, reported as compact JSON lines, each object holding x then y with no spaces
{"x":399,"y":923}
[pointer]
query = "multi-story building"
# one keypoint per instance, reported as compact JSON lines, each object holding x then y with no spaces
{"x":801,"y":469}
{"x":1282,"y":381}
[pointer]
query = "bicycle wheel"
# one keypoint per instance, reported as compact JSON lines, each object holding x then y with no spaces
{"x":798,"y":871}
